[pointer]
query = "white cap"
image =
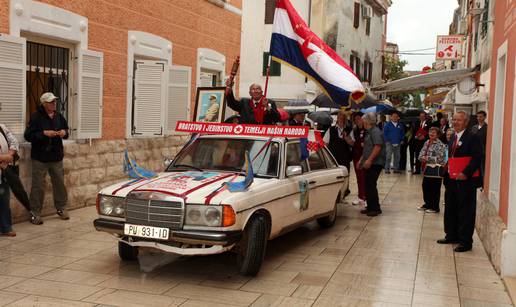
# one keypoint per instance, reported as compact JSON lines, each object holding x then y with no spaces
{"x":47,"y":97}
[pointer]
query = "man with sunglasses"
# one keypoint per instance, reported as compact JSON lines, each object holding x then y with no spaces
{"x":46,"y":130}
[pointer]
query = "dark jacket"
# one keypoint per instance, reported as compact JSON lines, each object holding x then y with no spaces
{"x":482,"y":133}
{"x":243,"y":107}
{"x":469,"y":145}
{"x":339,"y":148}
{"x":426,"y":128}
{"x":45,"y":149}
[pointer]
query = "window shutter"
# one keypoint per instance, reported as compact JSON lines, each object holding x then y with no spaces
{"x":370,"y":73}
{"x":356,"y":15}
{"x":12,"y":82}
{"x":178,"y":104}
{"x":89,"y":91}
{"x":270,"y":8}
{"x":148,"y":105}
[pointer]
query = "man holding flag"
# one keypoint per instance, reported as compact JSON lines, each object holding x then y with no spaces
{"x":257,"y":110}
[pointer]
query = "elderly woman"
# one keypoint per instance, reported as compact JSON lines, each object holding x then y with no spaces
{"x":433,"y":152}
{"x":372,"y":162}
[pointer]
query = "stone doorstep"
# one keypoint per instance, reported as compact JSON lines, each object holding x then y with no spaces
{"x":510,"y":285}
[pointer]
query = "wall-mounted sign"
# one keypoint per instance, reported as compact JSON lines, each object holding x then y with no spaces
{"x":449,"y":47}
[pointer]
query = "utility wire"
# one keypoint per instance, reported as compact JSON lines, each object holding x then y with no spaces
{"x":409,"y":53}
{"x":417,"y":50}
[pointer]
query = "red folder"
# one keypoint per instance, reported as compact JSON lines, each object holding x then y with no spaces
{"x":457,"y":166}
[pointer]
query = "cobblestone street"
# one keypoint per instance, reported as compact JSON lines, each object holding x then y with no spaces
{"x":389,"y":260}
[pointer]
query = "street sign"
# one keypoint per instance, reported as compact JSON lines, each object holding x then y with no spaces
{"x":449,"y":47}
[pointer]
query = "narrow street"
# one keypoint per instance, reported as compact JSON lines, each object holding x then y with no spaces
{"x":390,"y":260}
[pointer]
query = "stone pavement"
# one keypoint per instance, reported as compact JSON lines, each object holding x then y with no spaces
{"x":390,"y":260}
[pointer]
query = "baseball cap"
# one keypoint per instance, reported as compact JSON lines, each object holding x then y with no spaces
{"x":47,"y":97}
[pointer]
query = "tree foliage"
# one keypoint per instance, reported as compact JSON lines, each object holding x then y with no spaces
{"x":394,"y":69}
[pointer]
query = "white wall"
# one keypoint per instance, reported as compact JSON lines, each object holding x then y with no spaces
{"x":256,"y":40}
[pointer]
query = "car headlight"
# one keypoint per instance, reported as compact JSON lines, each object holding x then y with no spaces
{"x":209,"y":215}
{"x":111,"y":206}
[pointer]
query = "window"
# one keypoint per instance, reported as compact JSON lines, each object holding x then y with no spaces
{"x":484,"y":20}
{"x":275,"y":68}
{"x":368,"y":26}
{"x":356,"y":16}
{"x":270,"y":7}
{"x":294,"y":156}
{"x":41,"y":61}
{"x":330,"y":161}
{"x":148,"y":106}
{"x":47,"y":71}
{"x":358,"y":68}
{"x":211,"y":67}
{"x":229,"y":155}
{"x":370,"y":73}
{"x":316,"y":161}
{"x":366,"y":69}
{"x":352,"y":62}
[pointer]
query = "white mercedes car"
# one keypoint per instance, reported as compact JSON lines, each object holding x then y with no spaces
{"x":187,"y":209}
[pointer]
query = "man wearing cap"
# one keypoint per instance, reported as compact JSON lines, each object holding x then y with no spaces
{"x":45,"y":132}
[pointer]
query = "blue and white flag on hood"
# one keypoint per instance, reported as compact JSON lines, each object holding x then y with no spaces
{"x":241,"y":186}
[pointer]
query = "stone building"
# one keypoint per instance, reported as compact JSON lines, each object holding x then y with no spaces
{"x":125,"y":72}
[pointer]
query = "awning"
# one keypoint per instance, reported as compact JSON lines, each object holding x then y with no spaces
{"x":425,"y":81}
{"x":435,"y":98}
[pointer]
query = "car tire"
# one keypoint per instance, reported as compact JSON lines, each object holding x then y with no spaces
{"x":329,"y":220}
{"x":251,"y":249}
{"x":127,"y":252}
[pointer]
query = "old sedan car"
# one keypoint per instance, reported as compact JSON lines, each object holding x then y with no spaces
{"x":187,"y":210}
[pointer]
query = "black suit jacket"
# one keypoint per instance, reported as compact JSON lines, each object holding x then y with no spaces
{"x":482,"y":133}
{"x":469,"y":145}
{"x":294,"y":123}
{"x":246,"y":112}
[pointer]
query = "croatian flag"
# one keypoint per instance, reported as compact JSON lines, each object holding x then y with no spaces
{"x":295,"y":44}
{"x":311,"y":144}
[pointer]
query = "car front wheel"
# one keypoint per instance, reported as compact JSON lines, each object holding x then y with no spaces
{"x":251,"y":249}
{"x":127,"y":252}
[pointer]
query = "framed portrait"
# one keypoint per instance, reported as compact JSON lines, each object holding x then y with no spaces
{"x":210,"y":104}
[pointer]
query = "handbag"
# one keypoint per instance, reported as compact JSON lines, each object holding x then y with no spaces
{"x":434,"y":171}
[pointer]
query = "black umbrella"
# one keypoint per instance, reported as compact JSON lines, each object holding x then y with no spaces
{"x":324,"y":101}
{"x":322,"y":118}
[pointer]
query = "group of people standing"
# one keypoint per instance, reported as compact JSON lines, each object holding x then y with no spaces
{"x":45,"y":131}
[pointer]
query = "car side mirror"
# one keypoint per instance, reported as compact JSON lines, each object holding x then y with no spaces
{"x":294,"y":170}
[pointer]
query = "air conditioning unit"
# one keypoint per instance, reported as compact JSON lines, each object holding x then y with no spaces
{"x":367,"y":11}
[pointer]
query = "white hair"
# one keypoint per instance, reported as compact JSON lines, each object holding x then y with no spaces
{"x":370,"y":118}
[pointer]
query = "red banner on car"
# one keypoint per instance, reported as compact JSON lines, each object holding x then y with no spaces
{"x":243,"y":129}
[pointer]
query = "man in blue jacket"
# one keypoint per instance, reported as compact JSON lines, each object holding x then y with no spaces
{"x":393,"y":133}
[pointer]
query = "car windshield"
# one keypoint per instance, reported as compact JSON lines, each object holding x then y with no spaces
{"x":229,"y":155}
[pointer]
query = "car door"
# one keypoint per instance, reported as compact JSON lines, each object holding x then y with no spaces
{"x":296,"y":187}
{"x":325,"y":180}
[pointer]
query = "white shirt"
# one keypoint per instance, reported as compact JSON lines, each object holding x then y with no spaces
{"x":395,"y":124}
{"x":459,"y":135}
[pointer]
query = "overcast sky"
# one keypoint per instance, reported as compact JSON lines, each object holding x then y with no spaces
{"x":415,"y":24}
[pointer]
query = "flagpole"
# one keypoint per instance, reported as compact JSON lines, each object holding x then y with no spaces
{"x":267,"y":75}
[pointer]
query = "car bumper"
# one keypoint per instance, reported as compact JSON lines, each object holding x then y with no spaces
{"x":192,"y":237}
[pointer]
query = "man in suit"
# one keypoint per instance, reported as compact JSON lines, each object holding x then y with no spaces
{"x":257,"y":110}
{"x":481,"y":130}
{"x":298,"y":118}
{"x":461,"y":195}
{"x":420,"y":137}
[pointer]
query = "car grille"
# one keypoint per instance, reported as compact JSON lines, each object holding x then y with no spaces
{"x":157,"y":213}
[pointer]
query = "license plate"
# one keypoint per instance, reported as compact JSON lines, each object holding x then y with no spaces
{"x":146,"y":231}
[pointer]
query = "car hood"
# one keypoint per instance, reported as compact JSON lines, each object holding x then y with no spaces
{"x":193,"y":187}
